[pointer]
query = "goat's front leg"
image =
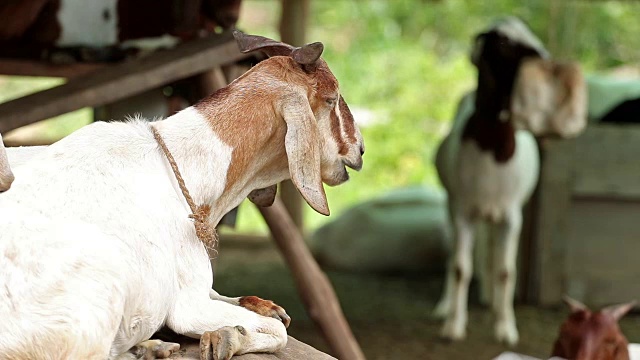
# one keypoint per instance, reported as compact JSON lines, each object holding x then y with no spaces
{"x":507,"y":236}
{"x":456,"y":321}
{"x":255,"y":304}
{"x":224,"y":329}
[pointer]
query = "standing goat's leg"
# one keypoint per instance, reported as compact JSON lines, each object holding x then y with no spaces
{"x":507,"y":236}
{"x":443,"y":307}
{"x":224,"y":329}
{"x":456,"y":321}
{"x":484,"y":263}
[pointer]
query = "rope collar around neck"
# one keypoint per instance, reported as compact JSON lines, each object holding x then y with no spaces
{"x":199,"y":213}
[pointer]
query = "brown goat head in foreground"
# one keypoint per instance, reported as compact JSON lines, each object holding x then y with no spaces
{"x":322,"y":137}
{"x":587,"y":335}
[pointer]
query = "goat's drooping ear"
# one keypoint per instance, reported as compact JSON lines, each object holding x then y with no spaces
{"x":263,"y":197}
{"x":302,"y":144}
{"x":620,"y":310}
{"x":304,"y":55}
{"x":550,"y":97}
{"x":574,"y":305}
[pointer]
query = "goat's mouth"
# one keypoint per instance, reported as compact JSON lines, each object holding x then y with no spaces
{"x":357,"y":165}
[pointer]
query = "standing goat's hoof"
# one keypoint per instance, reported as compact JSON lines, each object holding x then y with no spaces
{"x":506,"y":333}
{"x":221,"y":344}
{"x":453,"y":331}
{"x":265,"y":308}
{"x":154,"y":349}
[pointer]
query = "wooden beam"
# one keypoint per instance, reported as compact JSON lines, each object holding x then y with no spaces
{"x":293,"y":29}
{"x":16,"y":67}
{"x":121,"y":81}
{"x":314,"y":287}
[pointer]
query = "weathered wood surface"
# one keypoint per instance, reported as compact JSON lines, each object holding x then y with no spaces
{"x":295,"y":350}
{"x":313,"y":285}
{"x":121,"y":81}
{"x":587,"y":213}
{"x":40,"y":68}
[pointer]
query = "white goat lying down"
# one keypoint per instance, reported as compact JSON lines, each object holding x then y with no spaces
{"x":96,"y":248}
{"x":6,"y":176}
{"x":490,"y":169}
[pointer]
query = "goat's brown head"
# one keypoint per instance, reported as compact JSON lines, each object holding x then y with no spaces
{"x":587,"y":335}
{"x":322,"y":138}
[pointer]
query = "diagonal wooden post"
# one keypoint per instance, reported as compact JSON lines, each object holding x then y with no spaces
{"x":314,"y":287}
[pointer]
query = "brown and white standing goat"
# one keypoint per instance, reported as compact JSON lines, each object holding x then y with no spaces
{"x":489,"y":167}
{"x":97,"y":250}
{"x":587,"y":335}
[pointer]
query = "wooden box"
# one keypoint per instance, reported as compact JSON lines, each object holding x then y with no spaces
{"x":585,"y":238}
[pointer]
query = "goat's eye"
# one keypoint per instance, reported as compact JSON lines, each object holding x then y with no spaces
{"x":332,"y":101}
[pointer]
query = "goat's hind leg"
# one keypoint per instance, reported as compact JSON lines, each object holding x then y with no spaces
{"x":507,"y":236}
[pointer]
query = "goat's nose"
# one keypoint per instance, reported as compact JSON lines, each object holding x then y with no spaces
{"x":361,"y":150}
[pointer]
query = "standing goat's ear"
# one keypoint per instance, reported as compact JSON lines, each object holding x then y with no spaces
{"x":302,"y":144}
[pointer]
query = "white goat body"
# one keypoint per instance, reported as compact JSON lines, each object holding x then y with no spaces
{"x":97,"y":251}
{"x":6,"y":175}
{"x":479,"y":188}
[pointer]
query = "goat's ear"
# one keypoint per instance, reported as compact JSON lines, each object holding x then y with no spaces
{"x":620,"y":310}
{"x":304,"y":55}
{"x":308,"y":54}
{"x":574,"y":305}
{"x":249,"y":43}
{"x":303,"y":147}
{"x":263,"y":197}
{"x":550,"y":98}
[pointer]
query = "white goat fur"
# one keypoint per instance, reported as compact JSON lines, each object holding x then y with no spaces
{"x":482,"y":189}
{"x":6,"y":175}
{"x":96,"y":249}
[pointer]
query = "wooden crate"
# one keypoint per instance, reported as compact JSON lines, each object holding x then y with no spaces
{"x":586,"y":234}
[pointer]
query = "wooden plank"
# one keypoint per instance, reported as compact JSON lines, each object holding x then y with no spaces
{"x":17,"y":67}
{"x":602,"y":250}
{"x":314,"y":287}
{"x":293,"y":30}
{"x":606,"y":164}
{"x":295,"y":350}
{"x":552,"y":221}
{"x":121,"y":81}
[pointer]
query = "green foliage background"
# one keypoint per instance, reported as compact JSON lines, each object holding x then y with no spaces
{"x":407,"y":62}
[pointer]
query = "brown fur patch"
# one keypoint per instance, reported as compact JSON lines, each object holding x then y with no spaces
{"x":256,"y":96}
{"x":347,"y":120}
{"x":458,"y":273}
{"x":336,"y":132}
{"x":258,"y":305}
{"x":492,"y":135}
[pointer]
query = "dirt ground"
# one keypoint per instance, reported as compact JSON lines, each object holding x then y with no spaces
{"x":389,"y":314}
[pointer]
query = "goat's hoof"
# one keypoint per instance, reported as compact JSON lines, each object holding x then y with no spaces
{"x":221,"y":344}
{"x":452,"y":331}
{"x":154,"y":349}
{"x":507,"y":333}
{"x":265,"y":308}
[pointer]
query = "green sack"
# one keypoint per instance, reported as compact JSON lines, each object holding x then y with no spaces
{"x":405,"y":229}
